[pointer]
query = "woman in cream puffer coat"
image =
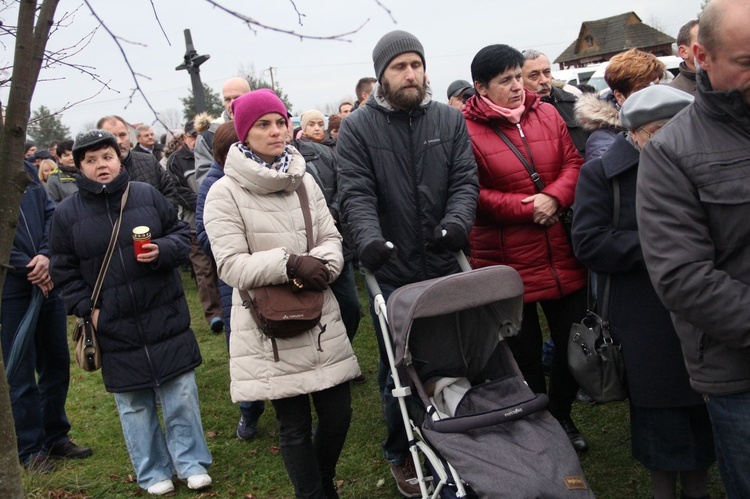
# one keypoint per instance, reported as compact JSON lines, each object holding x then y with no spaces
{"x":254,"y":208}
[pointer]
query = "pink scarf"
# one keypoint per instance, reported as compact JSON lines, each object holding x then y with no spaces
{"x":512,"y":115}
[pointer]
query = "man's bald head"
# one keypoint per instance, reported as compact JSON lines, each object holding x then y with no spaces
{"x":723,"y":46}
{"x":233,"y":88}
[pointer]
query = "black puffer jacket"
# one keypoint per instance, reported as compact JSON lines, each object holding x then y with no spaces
{"x":565,"y":103}
{"x":144,"y":167}
{"x":400,"y":175}
{"x":144,"y":321}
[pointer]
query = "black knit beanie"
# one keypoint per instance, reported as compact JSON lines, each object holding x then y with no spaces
{"x":391,"y":46}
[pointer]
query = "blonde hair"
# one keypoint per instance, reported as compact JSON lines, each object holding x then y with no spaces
{"x":633,"y":70}
{"x":42,"y":164}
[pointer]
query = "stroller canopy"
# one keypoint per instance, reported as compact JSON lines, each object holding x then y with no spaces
{"x":483,"y":304}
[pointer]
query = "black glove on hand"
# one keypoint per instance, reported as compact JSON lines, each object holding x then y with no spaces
{"x":309,"y":271}
{"x":454,"y":238}
{"x":374,"y":255}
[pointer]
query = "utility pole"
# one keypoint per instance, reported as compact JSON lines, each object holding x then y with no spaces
{"x":191,"y":63}
{"x":273,"y":84}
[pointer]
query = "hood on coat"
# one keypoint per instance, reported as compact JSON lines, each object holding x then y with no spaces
{"x":259,"y":179}
{"x":478,"y":110}
{"x":593,"y":113}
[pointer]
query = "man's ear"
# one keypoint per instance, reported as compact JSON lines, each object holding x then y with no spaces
{"x":702,"y":57}
{"x":682,"y":51}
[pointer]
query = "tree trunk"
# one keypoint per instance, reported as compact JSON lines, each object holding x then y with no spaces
{"x":27,"y":61}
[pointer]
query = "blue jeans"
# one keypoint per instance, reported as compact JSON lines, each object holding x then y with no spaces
{"x":396,"y":445}
{"x":181,"y":446}
{"x":730,"y":420}
{"x":345,"y":290}
{"x":38,"y":403}
{"x":252,"y":411}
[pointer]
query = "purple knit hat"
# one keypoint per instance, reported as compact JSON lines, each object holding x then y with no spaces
{"x":251,"y":106}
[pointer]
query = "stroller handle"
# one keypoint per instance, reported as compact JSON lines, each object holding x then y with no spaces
{"x":374,"y":287}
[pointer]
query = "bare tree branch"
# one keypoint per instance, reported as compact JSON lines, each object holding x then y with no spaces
{"x":255,"y":23}
{"x":300,"y":15}
{"x":387,"y":10}
{"x":133,"y":73}
{"x":67,"y":105}
{"x":158,"y":21}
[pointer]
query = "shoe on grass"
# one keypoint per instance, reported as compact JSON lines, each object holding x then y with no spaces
{"x":406,"y":478}
{"x":199,"y":482}
{"x":69,"y":450}
{"x":575,"y":437}
{"x":217,"y":325}
{"x":247,"y":431}
{"x":161,"y":488}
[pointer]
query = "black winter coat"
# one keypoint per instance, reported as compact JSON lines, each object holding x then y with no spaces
{"x":401,"y":174}
{"x":144,"y":322}
{"x":565,"y":103}
{"x":653,"y":359}
{"x":144,"y":167}
{"x":31,"y":235}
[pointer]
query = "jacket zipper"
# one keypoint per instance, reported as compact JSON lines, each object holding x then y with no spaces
{"x":546,"y":229}
{"x":415,"y":187}
{"x":132,"y":298}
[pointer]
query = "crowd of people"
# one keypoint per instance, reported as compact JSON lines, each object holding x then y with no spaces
{"x":640,"y":191}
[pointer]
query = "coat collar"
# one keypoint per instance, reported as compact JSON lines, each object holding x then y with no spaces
{"x":620,"y":157}
{"x":259,"y":179}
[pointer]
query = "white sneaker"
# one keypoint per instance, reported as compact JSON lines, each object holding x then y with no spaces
{"x":198,"y":482}
{"x":161,"y":488}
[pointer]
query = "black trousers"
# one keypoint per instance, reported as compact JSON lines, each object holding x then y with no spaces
{"x":312,"y":460}
{"x":527,"y":349}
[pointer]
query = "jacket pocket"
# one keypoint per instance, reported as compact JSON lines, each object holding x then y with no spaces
{"x":725,"y":195}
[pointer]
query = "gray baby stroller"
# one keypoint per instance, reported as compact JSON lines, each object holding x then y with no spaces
{"x":482,"y":431}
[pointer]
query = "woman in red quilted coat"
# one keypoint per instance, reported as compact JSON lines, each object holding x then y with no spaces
{"x":519,"y":219}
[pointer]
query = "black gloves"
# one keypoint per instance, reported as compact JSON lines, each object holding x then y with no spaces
{"x":375,"y":254}
{"x":454,"y":238}
{"x":307,"y":273}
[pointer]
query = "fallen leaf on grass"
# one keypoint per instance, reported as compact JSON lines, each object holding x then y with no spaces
{"x":274,"y":450}
{"x":248,"y":496}
{"x":212,"y":434}
{"x":380,"y":483}
{"x":131,"y":479}
{"x":114,"y":476}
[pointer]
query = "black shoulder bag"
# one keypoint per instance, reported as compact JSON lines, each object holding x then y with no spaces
{"x":595,"y":360}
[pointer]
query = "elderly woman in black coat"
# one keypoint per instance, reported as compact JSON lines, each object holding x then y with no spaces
{"x":141,"y":316}
{"x":671,"y":431}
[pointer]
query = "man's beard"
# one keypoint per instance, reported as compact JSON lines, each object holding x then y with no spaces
{"x":403,"y":98}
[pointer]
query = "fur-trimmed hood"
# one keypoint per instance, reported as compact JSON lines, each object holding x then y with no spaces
{"x":593,"y":113}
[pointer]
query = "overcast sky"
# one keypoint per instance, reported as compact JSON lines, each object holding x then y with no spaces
{"x":313,"y":73}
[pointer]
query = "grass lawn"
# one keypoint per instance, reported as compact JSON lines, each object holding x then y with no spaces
{"x":255,"y":469}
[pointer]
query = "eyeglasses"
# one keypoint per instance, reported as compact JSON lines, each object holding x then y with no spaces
{"x":649,"y":134}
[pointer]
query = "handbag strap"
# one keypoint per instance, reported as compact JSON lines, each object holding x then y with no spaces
{"x":615,"y":223}
{"x":110,"y":249}
{"x":305,"y":204}
{"x":529,"y":168}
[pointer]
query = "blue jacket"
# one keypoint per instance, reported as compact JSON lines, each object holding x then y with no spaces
{"x":214,"y":173}
{"x":32,"y":234}
{"x":144,"y":321}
